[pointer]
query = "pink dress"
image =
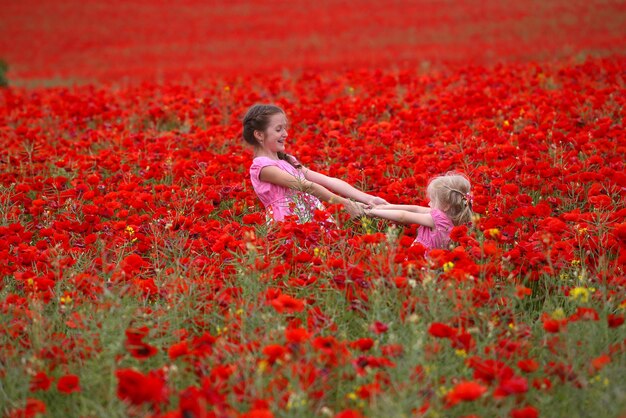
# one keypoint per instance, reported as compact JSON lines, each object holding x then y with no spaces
{"x":281,"y":201}
{"x":439,"y":235}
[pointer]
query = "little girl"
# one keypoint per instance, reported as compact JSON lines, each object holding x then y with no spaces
{"x":284,"y":186}
{"x":450,"y":205}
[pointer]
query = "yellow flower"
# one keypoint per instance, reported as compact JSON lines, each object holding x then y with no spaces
{"x":368,"y":225}
{"x":558,"y":314}
{"x":493,"y":232}
{"x":448,"y":266}
{"x":581,"y":293}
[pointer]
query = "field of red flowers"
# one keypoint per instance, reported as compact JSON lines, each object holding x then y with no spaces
{"x":53,"y":42}
{"x":139,"y":277}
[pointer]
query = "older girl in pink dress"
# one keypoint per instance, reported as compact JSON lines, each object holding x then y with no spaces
{"x":450,"y":205}
{"x":283,"y":185}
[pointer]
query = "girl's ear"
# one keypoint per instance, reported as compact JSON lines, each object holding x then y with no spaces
{"x":258,"y":135}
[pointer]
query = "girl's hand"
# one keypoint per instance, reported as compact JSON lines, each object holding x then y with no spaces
{"x":375,"y":201}
{"x":355,"y":209}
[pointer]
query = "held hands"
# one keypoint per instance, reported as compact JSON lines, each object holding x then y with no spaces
{"x":355,"y":209}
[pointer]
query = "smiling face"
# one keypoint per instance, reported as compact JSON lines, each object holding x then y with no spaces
{"x":272,"y":140}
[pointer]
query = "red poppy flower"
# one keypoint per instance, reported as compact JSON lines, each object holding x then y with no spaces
{"x":599,"y":362}
{"x":465,"y":391}
{"x":40,"y":381}
{"x":68,"y":384}
{"x":440,"y":330}
{"x":615,"y":320}
{"x":511,"y":386}
{"x":33,"y":408}
{"x":258,"y":413}
{"x":275,"y":352}
{"x":525,"y":412}
{"x":297,"y":335}
{"x":553,"y":325}
{"x":349,"y":413}
{"x":178,"y":350}
{"x":287,"y":304}
{"x":379,"y":327}
{"x":362,"y":344}
{"x":528,"y":365}
{"x":138,"y":388}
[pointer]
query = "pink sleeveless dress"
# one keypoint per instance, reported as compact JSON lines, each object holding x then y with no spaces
{"x":281,"y":201}
{"x":439,"y":235}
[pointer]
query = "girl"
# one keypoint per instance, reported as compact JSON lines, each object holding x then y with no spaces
{"x":450,"y":205}
{"x":285,"y":186}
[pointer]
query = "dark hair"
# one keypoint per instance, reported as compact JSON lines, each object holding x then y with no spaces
{"x":257,"y":118}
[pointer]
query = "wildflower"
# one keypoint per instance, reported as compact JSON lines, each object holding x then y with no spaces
{"x":68,"y":384}
{"x":525,"y":412}
{"x":599,"y":362}
{"x":32,"y":408}
{"x":349,"y":413}
{"x":262,"y":365}
{"x":522,"y":291}
{"x":511,"y":386}
{"x":558,"y":313}
{"x":368,"y":225}
{"x":528,"y":365}
{"x":440,"y":330}
{"x":297,"y":335}
{"x":492,"y":232}
{"x":40,"y":381}
{"x":139,"y":388}
{"x":379,"y":327}
{"x":178,"y":350}
{"x":555,"y":322}
{"x":275,"y":353}
{"x":287,"y":304}
{"x":580,"y":294}
{"x":465,"y":391}
{"x":615,"y":320}
{"x":362,"y":344}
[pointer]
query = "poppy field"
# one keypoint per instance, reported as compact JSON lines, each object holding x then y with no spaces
{"x":140,"y":277}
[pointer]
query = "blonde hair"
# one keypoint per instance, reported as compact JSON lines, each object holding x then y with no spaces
{"x":450,"y":193}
